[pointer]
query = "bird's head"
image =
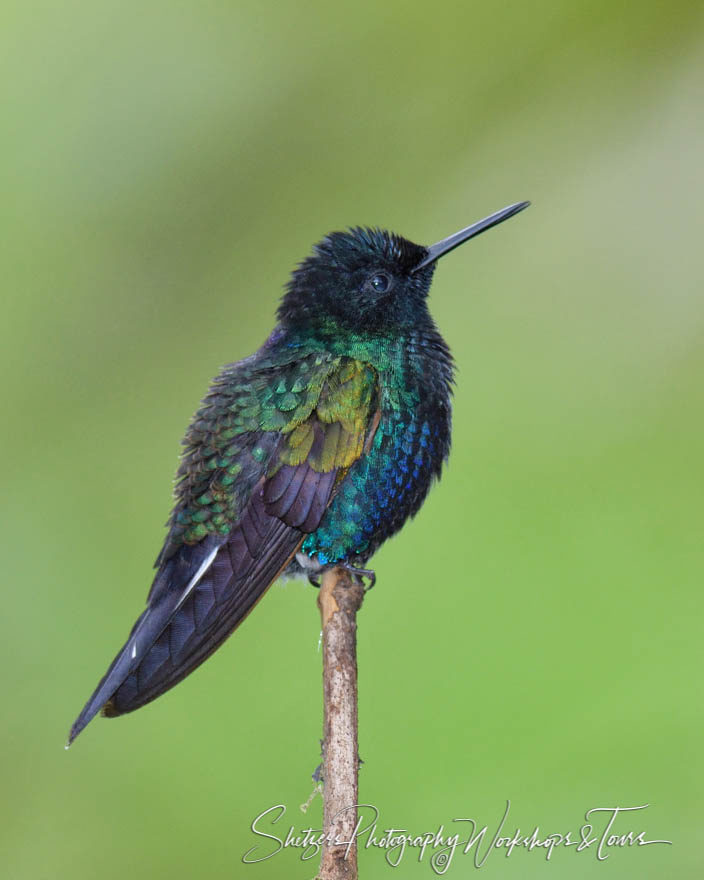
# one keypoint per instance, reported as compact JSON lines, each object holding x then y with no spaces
{"x":370,"y":279}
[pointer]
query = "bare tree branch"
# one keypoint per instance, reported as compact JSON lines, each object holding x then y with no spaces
{"x":341,"y":596}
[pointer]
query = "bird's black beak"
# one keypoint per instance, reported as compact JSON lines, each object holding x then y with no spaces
{"x":435,"y":251}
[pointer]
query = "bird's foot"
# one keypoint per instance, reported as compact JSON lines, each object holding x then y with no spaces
{"x":361,"y":573}
{"x":315,"y":577}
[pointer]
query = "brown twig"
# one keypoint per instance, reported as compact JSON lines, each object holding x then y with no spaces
{"x":341,"y":596}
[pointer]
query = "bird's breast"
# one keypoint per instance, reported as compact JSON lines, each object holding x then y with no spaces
{"x":390,"y":481}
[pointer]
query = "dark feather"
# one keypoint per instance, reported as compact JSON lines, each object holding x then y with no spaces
{"x":204,"y":588}
{"x":176,"y":634}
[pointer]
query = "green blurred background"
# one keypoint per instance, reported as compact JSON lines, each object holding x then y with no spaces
{"x":535,"y":633}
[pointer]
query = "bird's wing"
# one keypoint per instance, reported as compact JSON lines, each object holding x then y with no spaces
{"x":259,"y":471}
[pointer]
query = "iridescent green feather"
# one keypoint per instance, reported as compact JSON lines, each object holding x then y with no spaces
{"x":257,"y":416}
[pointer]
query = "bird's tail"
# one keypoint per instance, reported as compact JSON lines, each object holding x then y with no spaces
{"x":199,"y":597}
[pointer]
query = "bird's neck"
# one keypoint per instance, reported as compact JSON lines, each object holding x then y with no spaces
{"x":408,"y":357}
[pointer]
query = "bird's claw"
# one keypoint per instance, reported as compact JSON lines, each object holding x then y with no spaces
{"x":315,"y":577}
{"x":362,"y":573}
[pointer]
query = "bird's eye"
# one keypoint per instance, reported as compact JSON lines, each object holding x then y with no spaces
{"x":380,"y":282}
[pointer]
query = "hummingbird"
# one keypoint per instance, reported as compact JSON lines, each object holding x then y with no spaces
{"x":306,"y":455}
